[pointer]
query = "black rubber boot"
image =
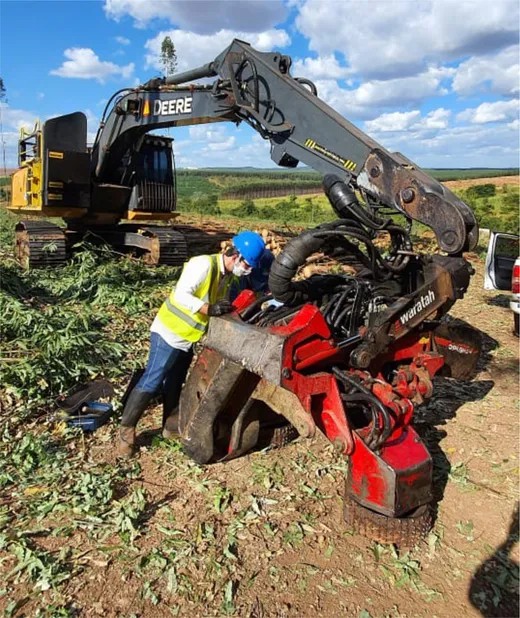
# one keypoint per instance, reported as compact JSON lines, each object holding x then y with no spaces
{"x":171,"y":394}
{"x":171,"y":425}
{"x":170,"y":419}
{"x":136,"y":404}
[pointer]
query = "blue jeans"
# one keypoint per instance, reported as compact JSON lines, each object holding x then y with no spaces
{"x":165,"y":371}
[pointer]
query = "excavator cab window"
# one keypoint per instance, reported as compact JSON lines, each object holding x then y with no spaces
{"x":152,"y":172}
{"x":155,"y":163}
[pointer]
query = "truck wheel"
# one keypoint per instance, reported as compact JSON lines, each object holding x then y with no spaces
{"x":404,"y":532}
{"x":516,"y":317}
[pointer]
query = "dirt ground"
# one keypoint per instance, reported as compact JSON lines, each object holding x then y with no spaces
{"x":263,"y":536}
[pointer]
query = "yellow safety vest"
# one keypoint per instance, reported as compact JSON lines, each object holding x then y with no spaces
{"x":181,"y":321}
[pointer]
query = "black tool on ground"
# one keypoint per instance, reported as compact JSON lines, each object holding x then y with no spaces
{"x":91,"y":416}
{"x":81,"y":406}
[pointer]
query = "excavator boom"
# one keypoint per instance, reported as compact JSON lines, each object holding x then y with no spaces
{"x":129,"y":175}
{"x":257,"y":87}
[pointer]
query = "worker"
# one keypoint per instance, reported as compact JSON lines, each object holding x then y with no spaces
{"x":200,"y":293}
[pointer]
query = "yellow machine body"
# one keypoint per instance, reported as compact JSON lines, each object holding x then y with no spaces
{"x":26,"y":182}
{"x":54,"y":178}
{"x":36,"y":188}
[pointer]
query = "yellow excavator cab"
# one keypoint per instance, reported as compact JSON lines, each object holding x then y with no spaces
{"x":53,"y":174}
{"x":26,"y":182}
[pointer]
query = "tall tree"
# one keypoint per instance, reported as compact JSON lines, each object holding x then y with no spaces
{"x":168,"y":56}
{"x":2,"y":89}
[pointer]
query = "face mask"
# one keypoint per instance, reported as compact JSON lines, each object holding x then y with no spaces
{"x":239,"y":270}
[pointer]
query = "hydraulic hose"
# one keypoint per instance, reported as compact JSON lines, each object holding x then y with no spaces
{"x":285,"y":266}
{"x":344,"y":201}
{"x":377,"y":437}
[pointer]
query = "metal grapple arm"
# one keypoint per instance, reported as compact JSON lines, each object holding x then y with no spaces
{"x":257,"y":88}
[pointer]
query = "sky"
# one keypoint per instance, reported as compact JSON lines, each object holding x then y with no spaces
{"x":437,"y":80}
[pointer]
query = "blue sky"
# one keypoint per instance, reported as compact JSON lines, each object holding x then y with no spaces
{"x":437,"y":80}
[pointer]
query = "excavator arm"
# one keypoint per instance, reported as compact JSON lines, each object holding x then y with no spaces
{"x":257,"y":88}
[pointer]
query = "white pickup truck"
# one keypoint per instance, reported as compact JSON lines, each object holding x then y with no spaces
{"x":502,"y":270}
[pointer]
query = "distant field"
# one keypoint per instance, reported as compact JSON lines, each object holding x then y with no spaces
{"x":498,"y":181}
{"x":296,"y":196}
{"x":464,"y":174}
{"x":258,"y":184}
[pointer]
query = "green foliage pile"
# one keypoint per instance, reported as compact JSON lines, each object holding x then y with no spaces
{"x":47,"y":484}
{"x":5,"y":185}
{"x":63,"y":326}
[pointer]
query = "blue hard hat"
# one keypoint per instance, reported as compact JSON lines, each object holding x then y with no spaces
{"x":250,"y":245}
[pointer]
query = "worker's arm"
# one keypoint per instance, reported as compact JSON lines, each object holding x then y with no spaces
{"x":204,"y":309}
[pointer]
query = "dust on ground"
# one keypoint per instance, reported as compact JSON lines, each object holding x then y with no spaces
{"x":262,"y":536}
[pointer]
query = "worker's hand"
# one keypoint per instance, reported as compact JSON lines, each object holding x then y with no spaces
{"x":220,"y":308}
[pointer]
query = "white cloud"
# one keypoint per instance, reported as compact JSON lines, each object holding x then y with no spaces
{"x":461,"y":146}
{"x":389,"y":38}
{"x":437,"y":119}
{"x":83,"y":63}
{"x":15,"y":119}
{"x":213,"y":137}
{"x":378,"y":95}
{"x":202,"y":16}
{"x":92,"y":125}
{"x":394,"y":121}
{"x":498,"y":73}
{"x":122,"y":40}
{"x":322,"y":67}
{"x":408,"y":121}
{"x":194,"y":50}
{"x":498,"y":111}
{"x":227,"y":151}
{"x":227,"y":144}
{"x":399,"y":90}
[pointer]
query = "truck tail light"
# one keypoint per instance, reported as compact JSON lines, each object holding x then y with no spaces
{"x":515,"y":282}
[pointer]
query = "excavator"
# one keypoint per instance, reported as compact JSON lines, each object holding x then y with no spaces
{"x":350,"y":353}
{"x":122,"y":185}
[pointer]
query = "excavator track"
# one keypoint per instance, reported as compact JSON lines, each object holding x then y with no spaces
{"x":39,"y":244}
{"x":166,"y":246}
